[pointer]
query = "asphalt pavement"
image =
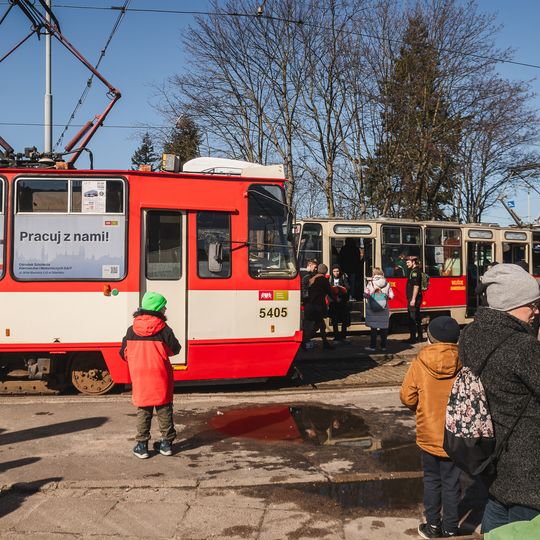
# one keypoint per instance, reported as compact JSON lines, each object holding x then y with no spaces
{"x":289,"y":463}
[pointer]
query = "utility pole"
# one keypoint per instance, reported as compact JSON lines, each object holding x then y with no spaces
{"x":47,"y":147}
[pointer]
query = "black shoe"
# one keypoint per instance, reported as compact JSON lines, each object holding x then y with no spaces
{"x":450,"y":534}
{"x":141,"y":450}
{"x":165,"y":448}
{"x":425,"y":530}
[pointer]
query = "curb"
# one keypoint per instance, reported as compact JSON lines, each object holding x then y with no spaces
{"x":316,"y":478}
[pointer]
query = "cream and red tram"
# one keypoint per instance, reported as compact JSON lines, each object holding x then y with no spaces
{"x":454,"y":256}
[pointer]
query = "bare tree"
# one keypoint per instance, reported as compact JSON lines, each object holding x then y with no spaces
{"x":244,"y":83}
{"x":308,"y":84}
{"x":496,"y":139}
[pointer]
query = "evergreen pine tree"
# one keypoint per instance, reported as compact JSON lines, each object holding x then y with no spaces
{"x":184,"y":140}
{"x":145,"y":154}
{"x":412,"y":173}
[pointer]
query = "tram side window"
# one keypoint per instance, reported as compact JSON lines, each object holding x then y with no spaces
{"x":163,"y":245}
{"x":443,"y":252}
{"x":42,"y":196}
{"x":399,"y":243}
{"x":97,"y":196}
{"x":2,"y":219}
{"x":513,"y":253}
{"x":270,"y":240}
{"x":310,"y":244}
{"x":213,"y":244}
{"x":53,"y":243}
{"x":536,"y":254}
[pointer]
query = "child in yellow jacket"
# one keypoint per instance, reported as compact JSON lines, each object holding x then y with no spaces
{"x":425,"y":390}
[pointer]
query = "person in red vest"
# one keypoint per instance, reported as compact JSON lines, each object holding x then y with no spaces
{"x":146,"y":347}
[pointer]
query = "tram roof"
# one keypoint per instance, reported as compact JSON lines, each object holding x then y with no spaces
{"x":253,"y":174}
{"x":400,"y":221}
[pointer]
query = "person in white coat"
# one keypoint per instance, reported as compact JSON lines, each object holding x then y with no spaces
{"x":378,"y":293}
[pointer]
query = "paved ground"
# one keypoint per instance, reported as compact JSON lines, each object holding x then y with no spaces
{"x":348,"y":364}
{"x":285,"y":464}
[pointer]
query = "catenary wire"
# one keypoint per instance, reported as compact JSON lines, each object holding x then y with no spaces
{"x":281,"y":19}
{"x":91,"y":78}
{"x":41,"y":124}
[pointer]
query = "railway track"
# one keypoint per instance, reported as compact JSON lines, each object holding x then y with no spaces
{"x":307,"y":374}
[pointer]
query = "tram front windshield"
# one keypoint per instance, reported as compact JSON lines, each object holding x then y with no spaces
{"x":271,"y":251}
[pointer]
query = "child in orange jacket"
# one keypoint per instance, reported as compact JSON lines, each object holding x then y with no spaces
{"x":146,"y":347}
{"x":425,"y":390}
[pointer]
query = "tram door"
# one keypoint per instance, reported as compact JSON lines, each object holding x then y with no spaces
{"x":358,"y":279}
{"x":163,"y":267}
{"x":479,"y":256}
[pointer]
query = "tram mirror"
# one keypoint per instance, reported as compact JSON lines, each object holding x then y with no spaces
{"x":215,"y":257}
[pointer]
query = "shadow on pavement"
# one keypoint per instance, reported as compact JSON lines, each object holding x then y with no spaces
{"x":473,"y":502}
{"x":14,"y":497}
{"x":17,"y":463}
{"x":51,"y":430}
{"x":317,"y":371}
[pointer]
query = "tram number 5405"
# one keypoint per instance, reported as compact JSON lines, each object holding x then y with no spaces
{"x":272,"y":312}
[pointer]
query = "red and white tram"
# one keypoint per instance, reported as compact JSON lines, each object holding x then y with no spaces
{"x":454,"y":256}
{"x":78,"y":249}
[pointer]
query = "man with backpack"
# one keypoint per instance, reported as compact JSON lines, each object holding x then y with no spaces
{"x":414,"y":299}
{"x":500,"y":348}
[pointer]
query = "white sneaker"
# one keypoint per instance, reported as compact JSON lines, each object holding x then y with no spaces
{"x":369,"y":349}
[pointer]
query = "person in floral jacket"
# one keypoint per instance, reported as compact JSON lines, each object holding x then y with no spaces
{"x":425,"y":390}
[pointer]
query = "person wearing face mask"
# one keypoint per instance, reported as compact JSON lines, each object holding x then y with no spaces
{"x":338,"y":307}
{"x":500,"y":347}
{"x":378,"y":293}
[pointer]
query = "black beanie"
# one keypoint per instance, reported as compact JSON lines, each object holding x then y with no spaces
{"x":443,"y":329}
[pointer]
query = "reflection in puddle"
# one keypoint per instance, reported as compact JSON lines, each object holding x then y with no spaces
{"x":298,"y":424}
{"x":387,"y":493}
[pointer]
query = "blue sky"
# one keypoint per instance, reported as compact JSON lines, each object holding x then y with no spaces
{"x":147,"y":49}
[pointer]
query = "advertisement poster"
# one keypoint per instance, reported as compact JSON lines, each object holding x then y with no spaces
{"x":69,"y":247}
{"x":94,"y":196}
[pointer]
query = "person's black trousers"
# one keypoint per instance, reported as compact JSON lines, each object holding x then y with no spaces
{"x":415,"y":322}
{"x":442,"y":491}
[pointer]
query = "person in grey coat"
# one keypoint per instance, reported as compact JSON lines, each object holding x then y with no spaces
{"x":510,"y":376}
{"x":379,"y":289}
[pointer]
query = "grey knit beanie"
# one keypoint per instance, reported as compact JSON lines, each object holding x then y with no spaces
{"x":510,"y":287}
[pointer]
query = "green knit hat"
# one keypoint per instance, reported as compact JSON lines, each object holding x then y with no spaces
{"x":153,"y":301}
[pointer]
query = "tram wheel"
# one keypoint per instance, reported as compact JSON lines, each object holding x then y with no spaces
{"x":89,"y":375}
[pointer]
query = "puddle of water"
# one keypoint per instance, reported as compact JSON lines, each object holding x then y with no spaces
{"x":309,"y":424}
{"x":385,"y":494}
{"x":371,"y":441}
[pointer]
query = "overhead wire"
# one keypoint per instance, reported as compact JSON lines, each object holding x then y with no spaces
{"x":90,"y":80}
{"x":119,"y":126}
{"x":282,"y":19}
{"x":6,"y":13}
